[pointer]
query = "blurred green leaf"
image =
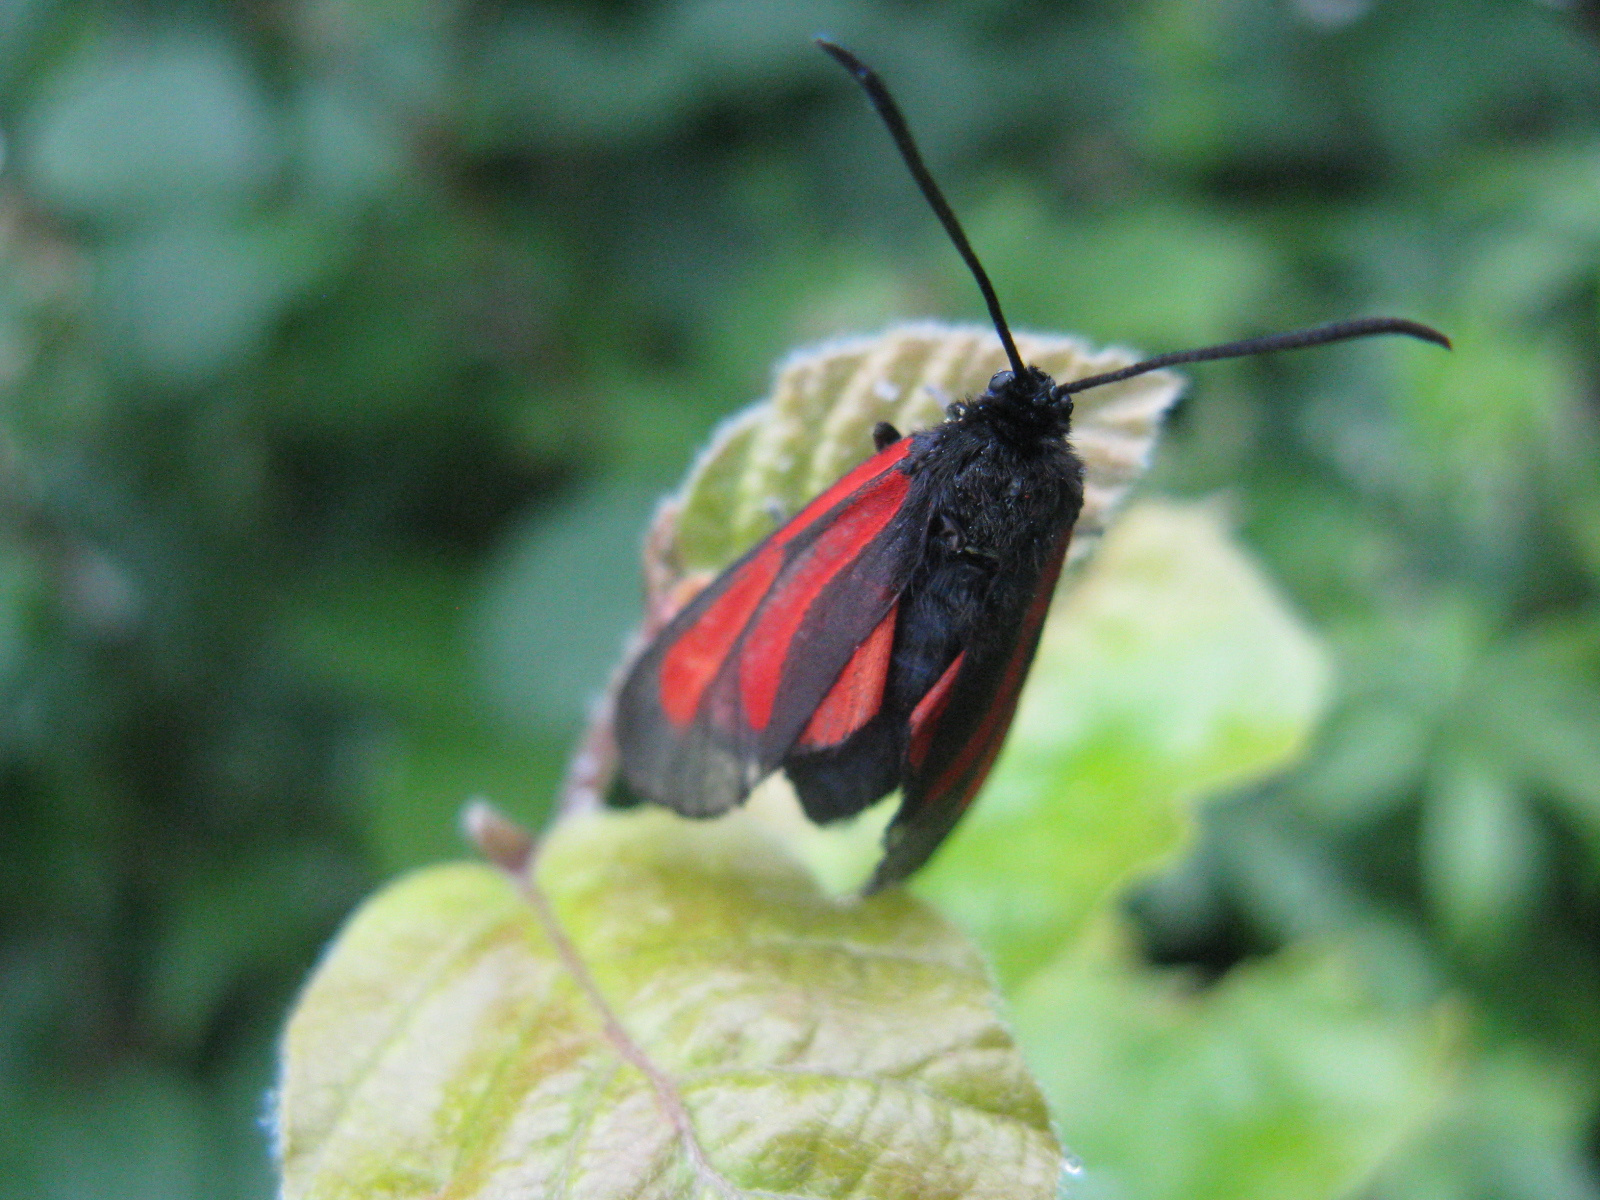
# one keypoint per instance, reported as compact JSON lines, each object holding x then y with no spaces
{"x":188,"y":299}
{"x":138,"y":1133}
{"x":231,"y":925}
{"x":1291,"y":885}
{"x":1514,"y":1128}
{"x":1154,"y":275}
{"x":349,"y":148}
{"x":19,"y":597}
{"x":1483,"y":425}
{"x":402,"y":638}
{"x":420,"y":770}
{"x":1371,"y":756}
{"x":560,"y":602}
{"x":1483,"y":853}
{"x":812,"y":1048}
{"x":1284,"y":1082}
{"x":140,"y":126}
{"x":1547,"y":723}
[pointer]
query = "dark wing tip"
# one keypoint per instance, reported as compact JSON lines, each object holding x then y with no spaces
{"x":907,"y":846}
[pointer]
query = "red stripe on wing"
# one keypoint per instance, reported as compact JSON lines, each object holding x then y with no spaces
{"x":770,"y":637}
{"x":848,"y":482}
{"x":964,"y":775}
{"x":976,"y":714}
{"x":925,"y":716}
{"x":857,"y":694}
{"x":698,"y":651}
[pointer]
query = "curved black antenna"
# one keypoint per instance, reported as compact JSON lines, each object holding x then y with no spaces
{"x":1338,"y":331}
{"x":890,"y":112}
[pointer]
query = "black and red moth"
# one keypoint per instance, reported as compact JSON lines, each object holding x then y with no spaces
{"x":879,"y":639}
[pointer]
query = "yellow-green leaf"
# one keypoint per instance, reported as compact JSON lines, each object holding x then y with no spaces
{"x":671,"y":1009}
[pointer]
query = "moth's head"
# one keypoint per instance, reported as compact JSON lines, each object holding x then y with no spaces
{"x":1020,"y":405}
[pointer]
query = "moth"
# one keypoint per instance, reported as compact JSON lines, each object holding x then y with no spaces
{"x":879,"y":639}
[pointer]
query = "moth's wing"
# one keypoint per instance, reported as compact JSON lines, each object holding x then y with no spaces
{"x":725,"y":689}
{"x":956,"y":730}
{"x":849,"y":754}
{"x":856,"y":695}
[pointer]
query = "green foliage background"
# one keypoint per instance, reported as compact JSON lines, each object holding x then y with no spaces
{"x":343,"y":346}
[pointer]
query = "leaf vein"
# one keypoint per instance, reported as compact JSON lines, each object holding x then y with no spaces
{"x":706,"y":1078}
{"x":852,"y":949}
{"x":667,"y":1095}
{"x":585,"y":1126}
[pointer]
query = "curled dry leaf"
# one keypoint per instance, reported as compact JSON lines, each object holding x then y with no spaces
{"x":663,"y":1009}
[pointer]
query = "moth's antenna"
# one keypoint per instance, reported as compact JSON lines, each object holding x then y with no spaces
{"x":890,"y":112}
{"x":1338,"y":331}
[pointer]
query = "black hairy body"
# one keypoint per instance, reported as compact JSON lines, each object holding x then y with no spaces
{"x":994,"y":488}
